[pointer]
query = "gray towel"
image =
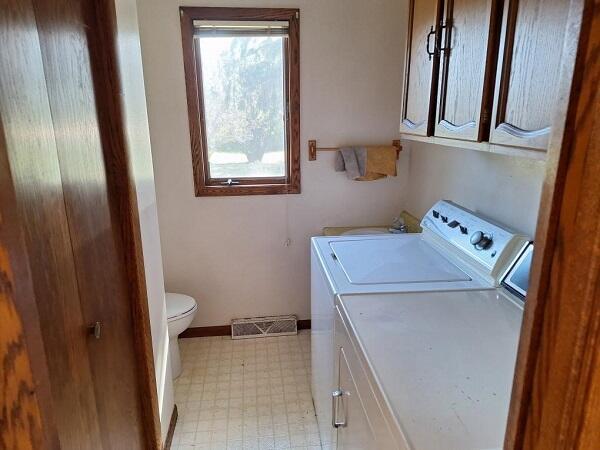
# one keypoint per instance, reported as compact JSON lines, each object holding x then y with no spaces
{"x":353,"y":160}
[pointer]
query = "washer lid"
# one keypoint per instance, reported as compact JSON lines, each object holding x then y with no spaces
{"x":372,"y":261}
{"x":178,"y":304}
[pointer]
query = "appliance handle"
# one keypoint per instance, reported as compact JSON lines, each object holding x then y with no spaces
{"x":335,"y":396}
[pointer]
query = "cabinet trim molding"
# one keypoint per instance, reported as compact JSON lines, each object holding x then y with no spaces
{"x":410,"y":124}
{"x":520,"y":133}
{"x":450,"y":126}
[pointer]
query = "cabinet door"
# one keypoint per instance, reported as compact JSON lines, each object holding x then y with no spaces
{"x":468,"y":55}
{"x":355,"y":432}
{"x":420,"y":71}
{"x":526,"y":90}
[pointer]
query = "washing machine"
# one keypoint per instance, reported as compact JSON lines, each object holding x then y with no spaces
{"x":458,"y":250}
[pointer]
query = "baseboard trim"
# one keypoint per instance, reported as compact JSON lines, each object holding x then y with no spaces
{"x":304,"y":324}
{"x":171,"y":431}
{"x":219,"y":330}
{"x":225,"y":330}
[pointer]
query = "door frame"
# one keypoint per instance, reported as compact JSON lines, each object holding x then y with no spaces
{"x":103,"y":38}
{"x":555,"y":402}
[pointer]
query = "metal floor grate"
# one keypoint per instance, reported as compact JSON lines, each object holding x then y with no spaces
{"x":264,"y":326}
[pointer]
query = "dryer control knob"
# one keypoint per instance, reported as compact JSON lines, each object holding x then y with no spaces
{"x":480,"y":240}
{"x":476,"y":237}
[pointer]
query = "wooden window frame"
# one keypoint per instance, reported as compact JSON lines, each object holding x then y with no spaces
{"x":203,"y":184}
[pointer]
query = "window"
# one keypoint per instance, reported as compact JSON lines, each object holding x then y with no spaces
{"x":242,"y":77}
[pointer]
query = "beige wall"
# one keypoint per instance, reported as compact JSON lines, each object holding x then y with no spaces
{"x":504,"y":188}
{"x":230,"y":253}
{"x":138,"y":140}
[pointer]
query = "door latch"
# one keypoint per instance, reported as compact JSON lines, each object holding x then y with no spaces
{"x":96,"y":330}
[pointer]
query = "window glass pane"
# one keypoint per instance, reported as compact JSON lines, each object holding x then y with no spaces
{"x":243,"y":90}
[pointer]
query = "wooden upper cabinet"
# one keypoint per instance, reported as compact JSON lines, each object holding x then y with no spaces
{"x":528,"y":71}
{"x":420,"y":73}
{"x":468,"y":54}
{"x":484,"y":71}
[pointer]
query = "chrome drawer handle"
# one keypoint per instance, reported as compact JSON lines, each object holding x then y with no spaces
{"x":335,"y":396}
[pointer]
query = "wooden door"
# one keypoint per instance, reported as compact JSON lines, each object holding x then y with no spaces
{"x":356,"y":433}
{"x":96,"y":245}
{"x":527,"y":78}
{"x":66,"y":170}
{"x":421,"y":68}
{"x":468,"y":56}
{"x":33,"y":159}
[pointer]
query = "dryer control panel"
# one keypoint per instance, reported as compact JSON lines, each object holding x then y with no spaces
{"x":489,"y":243}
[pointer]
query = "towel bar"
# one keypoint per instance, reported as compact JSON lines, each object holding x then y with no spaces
{"x":312,"y":149}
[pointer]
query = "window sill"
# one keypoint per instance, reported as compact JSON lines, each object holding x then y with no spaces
{"x":248,"y":189}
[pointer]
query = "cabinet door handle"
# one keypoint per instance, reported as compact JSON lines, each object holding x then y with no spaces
{"x":335,"y":397}
{"x":431,"y":33}
{"x":446,"y":47}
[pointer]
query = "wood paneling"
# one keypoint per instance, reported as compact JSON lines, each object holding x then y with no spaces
{"x":103,"y":293}
{"x":26,"y":419}
{"x":468,"y":56}
{"x":33,"y":159}
{"x":420,"y":71}
{"x":554,"y":404}
{"x":204,"y":185}
{"x":62,"y":108}
{"x":528,"y":72}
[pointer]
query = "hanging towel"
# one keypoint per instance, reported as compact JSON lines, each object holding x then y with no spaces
{"x":353,"y":160}
{"x":381,"y":161}
{"x":366,"y":163}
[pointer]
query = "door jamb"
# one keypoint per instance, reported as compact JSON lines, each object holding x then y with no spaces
{"x":104,"y":38}
{"x":555,"y":401}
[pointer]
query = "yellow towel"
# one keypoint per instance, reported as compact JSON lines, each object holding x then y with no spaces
{"x":381,"y":162}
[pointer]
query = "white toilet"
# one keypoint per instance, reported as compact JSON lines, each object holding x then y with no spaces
{"x":181,"y":310}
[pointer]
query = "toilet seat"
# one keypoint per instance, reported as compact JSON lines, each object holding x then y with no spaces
{"x":179,"y":305}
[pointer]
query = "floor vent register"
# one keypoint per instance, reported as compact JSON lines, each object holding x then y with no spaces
{"x":264,"y":327}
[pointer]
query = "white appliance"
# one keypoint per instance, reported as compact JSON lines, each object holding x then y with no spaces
{"x":457,"y":251}
{"x":428,"y":370}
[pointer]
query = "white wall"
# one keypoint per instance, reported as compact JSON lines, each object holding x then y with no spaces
{"x":229,"y":252}
{"x":504,"y":188}
{"x":138,"y":141}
